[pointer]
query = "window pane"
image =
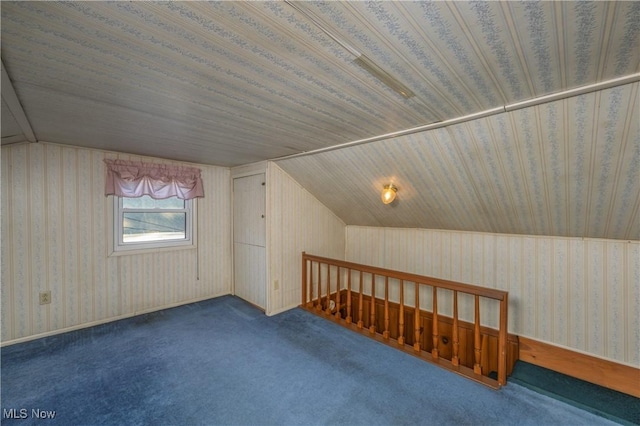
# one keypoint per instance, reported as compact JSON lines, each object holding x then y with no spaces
{"x":154,"y":227}
{"x":146,"y":202}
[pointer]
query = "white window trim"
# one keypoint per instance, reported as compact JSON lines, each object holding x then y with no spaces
{"x":119,"y":247}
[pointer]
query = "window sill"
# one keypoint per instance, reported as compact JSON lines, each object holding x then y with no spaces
{"x":114,"y":253}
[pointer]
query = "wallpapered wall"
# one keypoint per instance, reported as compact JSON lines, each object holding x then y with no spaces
{"x":297,"y":222}
{"x":56,"y":226}
{"x":583,"y":294}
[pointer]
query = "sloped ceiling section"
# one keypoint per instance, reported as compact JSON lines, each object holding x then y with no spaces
{"x":231,"y":83}
{"x":566,"y":168}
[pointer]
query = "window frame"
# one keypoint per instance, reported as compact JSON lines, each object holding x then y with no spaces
{"x":121,"y":247}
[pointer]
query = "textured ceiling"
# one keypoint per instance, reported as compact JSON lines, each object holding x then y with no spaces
{"x":565,"y":168}
{"x":230,"y":83}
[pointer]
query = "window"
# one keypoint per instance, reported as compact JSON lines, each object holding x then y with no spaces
{"x":144,"y":223}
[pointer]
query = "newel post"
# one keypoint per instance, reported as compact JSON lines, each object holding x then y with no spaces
{"x":502,"y":341}
{"x":477,"y":343}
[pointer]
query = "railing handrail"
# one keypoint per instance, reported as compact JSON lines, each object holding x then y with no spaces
{"x":420,"y":279}
{"x":322,"y":303}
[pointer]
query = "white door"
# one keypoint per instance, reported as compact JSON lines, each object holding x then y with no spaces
{"x":249,"y":239}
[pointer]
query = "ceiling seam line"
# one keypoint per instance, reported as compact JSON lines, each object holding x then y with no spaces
{"x":628,"y":79}
{"x":15,"y":107}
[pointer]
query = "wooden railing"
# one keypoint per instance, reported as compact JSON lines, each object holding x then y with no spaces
{"x":325,"y":292}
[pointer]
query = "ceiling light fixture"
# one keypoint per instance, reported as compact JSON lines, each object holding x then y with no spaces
{"x":389,"y":193}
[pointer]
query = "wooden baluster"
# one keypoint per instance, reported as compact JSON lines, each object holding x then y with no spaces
{"x":502,"y":342}
{"x":348,"y":319}
{"x":360,"y":323}
{"x":401,"y":316}
{"x":305,"y":280}
{"x":328,"y":307}
{"x":456,"y":340}
{"x":372,"y":314}
{"x":385,"y":333}
{"x":416,"y":343}
{"x":338,"y":314}
{"x":310,"y":300}
{"x":477,"y":344}
{"x":319,"y":301}
{"x":434,"y":351}
{"x":372,"y":308}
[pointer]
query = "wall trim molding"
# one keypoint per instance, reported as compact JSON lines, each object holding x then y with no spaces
{"x":106,"y":320}
{"x":251,"y":169}
{"x":540,"y":100}
{"x":280,"y":310}
{"x":606,"y":373}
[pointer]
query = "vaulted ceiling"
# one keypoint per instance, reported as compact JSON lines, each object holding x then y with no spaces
{"x":230,"y":83}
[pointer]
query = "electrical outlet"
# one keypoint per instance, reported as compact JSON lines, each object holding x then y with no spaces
{"x":276,"y":285}
{"x":45,"y":297}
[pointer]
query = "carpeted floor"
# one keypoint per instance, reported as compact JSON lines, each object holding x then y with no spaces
{"x":222,"y":362}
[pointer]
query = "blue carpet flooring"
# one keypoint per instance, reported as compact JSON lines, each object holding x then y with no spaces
{"x":222,"y":362}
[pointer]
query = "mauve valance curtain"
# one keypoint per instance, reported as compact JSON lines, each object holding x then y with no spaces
{"x":159,"y":181}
